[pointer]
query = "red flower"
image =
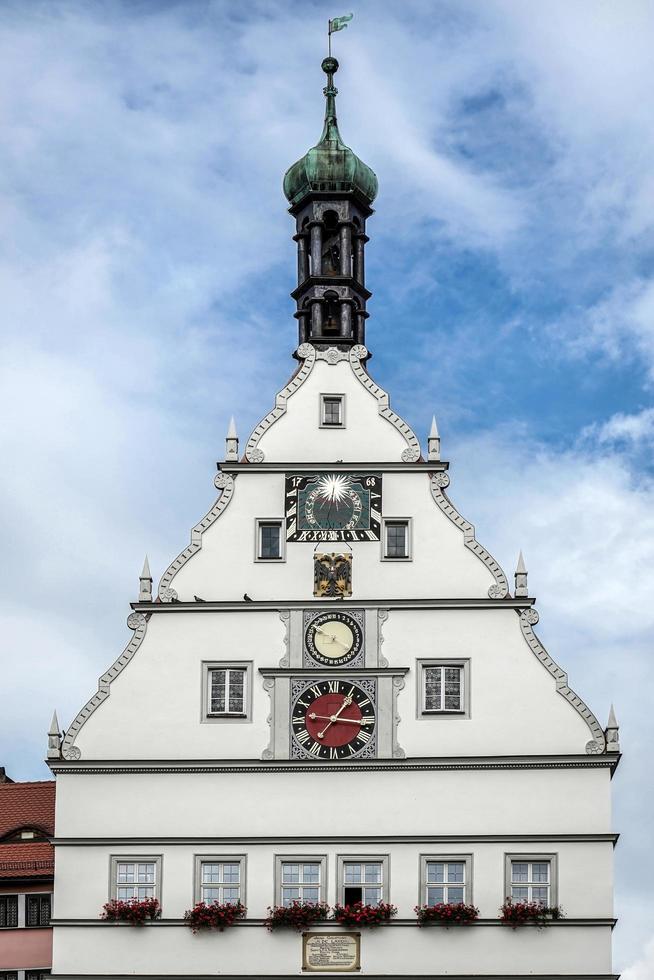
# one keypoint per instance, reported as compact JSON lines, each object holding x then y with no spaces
{"x":134,"y":910}
{"x":360,"y":914}
{"x":450,"y":913}
{"x":214,"y":915}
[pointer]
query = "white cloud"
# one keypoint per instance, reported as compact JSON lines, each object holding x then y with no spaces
{"x":644,"y":968}
{"x":625,"y":428}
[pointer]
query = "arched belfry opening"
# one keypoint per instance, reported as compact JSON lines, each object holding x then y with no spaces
{"x":330,"y":192}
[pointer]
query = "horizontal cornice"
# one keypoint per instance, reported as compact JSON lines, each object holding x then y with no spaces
{"x":420,"y":466}
{"x":266,"y":605}
{"x":369,"y":976}
{"x":317,"y":926}
{"x":121,"y":766}
{"x":332,"y":671}
{"x":428,"y":840}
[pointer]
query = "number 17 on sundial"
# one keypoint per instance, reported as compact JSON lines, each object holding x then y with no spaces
{"x":333,"y":507}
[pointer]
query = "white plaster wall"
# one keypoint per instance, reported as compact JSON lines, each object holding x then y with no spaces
{"x":297,"y":434}
{"x":154,"y":710}
{"x":393,"y":950}
{"x":584,"y":872}
{"x":281,"y":804}
{"x":225,"y":567}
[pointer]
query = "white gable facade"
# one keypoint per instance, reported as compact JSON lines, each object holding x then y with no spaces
{"x":452,"y":762}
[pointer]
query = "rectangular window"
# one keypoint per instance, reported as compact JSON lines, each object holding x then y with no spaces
{"x":37,"y":974}
{"x":269,"y":540}
{"x":220,"y":880}
{"x":530,"y":881}
{"x":446,"y":880}
{"x":300,"y":879}
{"x":332,"y":411}
{"x":396,"y":539}
{"x":135,"y":878}
{"x":8,"y":975}
{"x":37,"y":910}
{"x":227,"y":691}
{"x":363,"y":879}
{"x":443,"y":688}
{"x":8,"y":911}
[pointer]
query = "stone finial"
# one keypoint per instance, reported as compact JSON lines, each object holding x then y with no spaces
{"x":231,"y":443}
{"x":612,"y":733}
{"x":521,"y":591}
{"x":145,"y":583}
{"x":54,"y":738}
{"x":433,"y":442}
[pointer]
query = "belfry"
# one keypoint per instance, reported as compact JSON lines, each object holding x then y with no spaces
{"x":334,"y":742}
{"x":330,"y":191}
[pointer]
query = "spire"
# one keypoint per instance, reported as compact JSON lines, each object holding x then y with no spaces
{"x":612,"y":733}
{"x":145,"y":583}
{"x":330,"y":191}
{"x":231,"y":443}
{"x":54,"y":738}
{"x":433,"y":442}
{"x":521,"y":591}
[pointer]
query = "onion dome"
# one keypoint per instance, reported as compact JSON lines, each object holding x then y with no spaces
{"x":330,"y":165}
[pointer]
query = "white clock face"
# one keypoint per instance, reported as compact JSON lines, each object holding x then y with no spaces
{"x":333,"y":638}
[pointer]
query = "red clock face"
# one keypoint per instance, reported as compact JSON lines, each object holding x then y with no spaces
{"x":333,"y":719}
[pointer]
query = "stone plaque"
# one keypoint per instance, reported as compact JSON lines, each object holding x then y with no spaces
{"x":331,"y":952}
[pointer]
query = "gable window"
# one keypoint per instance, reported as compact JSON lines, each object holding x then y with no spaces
{"x":363,"y":879}
{"x":396,"y":539}
{"x":135,"y":878}
{"x":300,"y":879}
{"x":220,"y":879}
{"x":332,"y":411}
{"x":531,"y":878}
{"x":270,"y":545}
{"x":37,"y":910}
{"x":446,"y":879}
{"x":8,"y":911}
{"x":444,"y":687}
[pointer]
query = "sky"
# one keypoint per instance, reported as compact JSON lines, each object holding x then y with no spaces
{"x":145,"y":265}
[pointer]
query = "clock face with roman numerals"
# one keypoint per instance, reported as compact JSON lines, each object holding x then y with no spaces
{"x":333,"y":507}
{"x":332,"y":720}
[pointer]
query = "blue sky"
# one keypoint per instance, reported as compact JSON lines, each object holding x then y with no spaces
{"x":145,"y":265}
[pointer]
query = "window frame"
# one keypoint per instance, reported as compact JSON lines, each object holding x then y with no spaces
{"x":551,"y":859}
{"x":324,"y":396}
{"x":421,"y":664}
{"x":263,"y":522}
{"x":408,"y":521}
{"x":343,"y":859}
{"x":116,"y":859}
{"x":17,"y":896}
{"x":200,"y":859}
{"x":281,"y":859}
{"x":222,"y":719}
{"x":466,"y":859}
{"x":40,"y":896}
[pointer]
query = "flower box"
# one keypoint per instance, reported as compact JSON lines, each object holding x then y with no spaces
{"x":359,"y":914}
{"x":214,"y":915}
{"x":516,"y":914}
{"x":446,"y":913}
{"x":136,"y":911}
{"x":297,"y":915}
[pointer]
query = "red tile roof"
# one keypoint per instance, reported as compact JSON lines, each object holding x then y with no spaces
{"x":26,"y":860}
{"x":27,"y":805}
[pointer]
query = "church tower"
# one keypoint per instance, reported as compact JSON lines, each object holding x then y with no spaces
{"x":333,"y":712}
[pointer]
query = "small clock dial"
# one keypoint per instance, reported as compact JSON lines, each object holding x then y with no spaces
{"x":333,"y":507}
{"x":333,"y":638}
{"x":333,"y":719}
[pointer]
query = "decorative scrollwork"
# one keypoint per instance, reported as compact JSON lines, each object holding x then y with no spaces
{"x":441,"y":479}
{"x":412,"y":451}
{"x":528,"y":618}
{"x":255,"y":455}
{"x":225,"y":483}
{"x":305,"y":350}
{"x":359,"y":351}
{"x":136,"y":620}
{"x":72,"y":754}
{"x":411,"y":455}
{"x":307,"y":353}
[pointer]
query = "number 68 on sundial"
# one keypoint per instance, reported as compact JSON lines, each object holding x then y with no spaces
{"x":333,"y":507}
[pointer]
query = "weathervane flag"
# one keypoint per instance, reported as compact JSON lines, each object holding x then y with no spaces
{"x":338,"y":23}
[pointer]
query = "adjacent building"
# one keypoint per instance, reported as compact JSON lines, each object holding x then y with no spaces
{"x":26,"y":878}
{"x":335,"y":694}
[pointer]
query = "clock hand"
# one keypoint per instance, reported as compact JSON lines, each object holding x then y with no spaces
{"x":346,"y":702}
{"x":332,"y":718}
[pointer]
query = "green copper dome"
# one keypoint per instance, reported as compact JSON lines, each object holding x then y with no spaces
{"x":330,"y":165}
